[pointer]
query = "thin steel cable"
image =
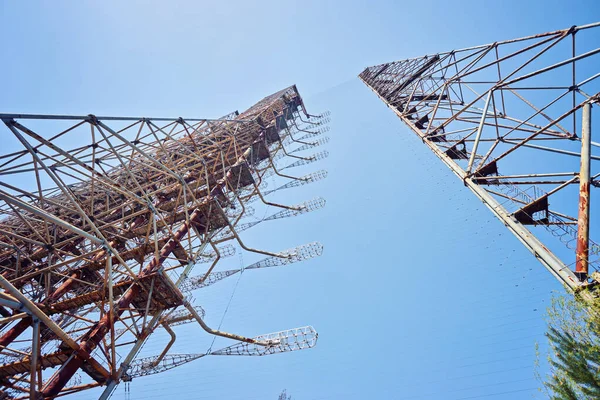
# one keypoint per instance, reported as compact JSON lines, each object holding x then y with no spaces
{"x":241,"y":257}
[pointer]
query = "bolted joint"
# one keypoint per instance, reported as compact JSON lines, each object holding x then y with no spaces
{"x":107,"y":248}
{"x":151,"y":207}
{"x":92,"y":119}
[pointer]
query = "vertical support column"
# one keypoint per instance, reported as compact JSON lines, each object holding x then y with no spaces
{"x":479,"y":130}
{"x":35,"y":350}
{"x":583,"y":221}
{"x":111,"y":314}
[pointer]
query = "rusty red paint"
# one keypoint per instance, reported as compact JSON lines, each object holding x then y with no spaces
{"x":95,"y":335}
{"x":15,"y":331}
{"x":25,"y":323}
{"x":583,"y":222}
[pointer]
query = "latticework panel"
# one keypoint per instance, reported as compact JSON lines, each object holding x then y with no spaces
{"x":512,"y":120}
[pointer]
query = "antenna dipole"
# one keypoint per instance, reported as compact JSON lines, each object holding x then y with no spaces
{"x":277,"y":342}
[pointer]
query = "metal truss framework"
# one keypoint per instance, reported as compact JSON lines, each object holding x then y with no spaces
{"x":277,"y":342}
{"x":98,"y":241}
{"x":512,"y":120}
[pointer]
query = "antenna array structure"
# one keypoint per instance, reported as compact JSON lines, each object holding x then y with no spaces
{"x":103,"y":219}
{"x":513,"y":120}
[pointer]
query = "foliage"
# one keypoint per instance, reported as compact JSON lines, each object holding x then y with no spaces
{"x":284,"y":396}
{"x":574,"y":357}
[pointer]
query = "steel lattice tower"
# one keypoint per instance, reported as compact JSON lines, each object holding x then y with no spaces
{"x":102,"y":220}
{"x":512,"y":120}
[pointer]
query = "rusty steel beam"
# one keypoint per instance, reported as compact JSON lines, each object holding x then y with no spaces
{"x":39,"y":316}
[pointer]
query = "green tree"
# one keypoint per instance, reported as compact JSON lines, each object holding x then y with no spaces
{"x":574,"y":357}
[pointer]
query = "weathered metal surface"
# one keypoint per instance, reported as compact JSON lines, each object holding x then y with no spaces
{"x":583,"y":220}
{"x":110,"y":229}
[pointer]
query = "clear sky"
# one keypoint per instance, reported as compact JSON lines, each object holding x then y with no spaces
{"x":421,"y":293}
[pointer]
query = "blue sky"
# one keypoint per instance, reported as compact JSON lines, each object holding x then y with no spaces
{"x":421,"y":293}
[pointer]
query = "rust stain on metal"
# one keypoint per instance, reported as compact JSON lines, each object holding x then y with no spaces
{"x":583,"y":222}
